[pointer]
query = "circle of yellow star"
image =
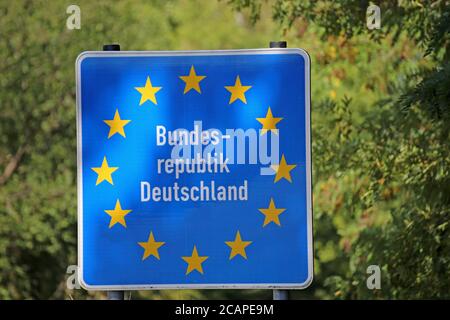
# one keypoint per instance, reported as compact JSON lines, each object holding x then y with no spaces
{"x":117,"y":215}
{"x":116,"y":125}
{"x":151,"y":247}
{"x":194,"y":262}
{"x":269,"y":122}
{"x":104,"y":172}
{"x":272,"y":213}
{"x":192,"y":81}
{"x":283,"y":170}
{"x":148,"y":92}
{"x":238,"y":91}
{"x":238,"y":246}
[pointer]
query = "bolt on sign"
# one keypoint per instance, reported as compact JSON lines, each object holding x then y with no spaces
{"x":194,"y":169}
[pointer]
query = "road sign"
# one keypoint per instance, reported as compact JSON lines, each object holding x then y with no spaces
{"x":194,"y":169}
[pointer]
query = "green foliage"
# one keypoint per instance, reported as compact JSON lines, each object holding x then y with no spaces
{"x":380,"y":126}
{"x":37,"y":118}
{"x":381,"y":156}
{"x":431,"y":93}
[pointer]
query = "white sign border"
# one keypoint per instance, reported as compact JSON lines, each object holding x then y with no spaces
{"x":278,"y":286}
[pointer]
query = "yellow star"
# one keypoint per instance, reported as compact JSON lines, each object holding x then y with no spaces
{"x":116,"y":125}
{"x":283,"y":170}
{"x":269,"y":122}
{"x":117,"y":215}
{"x":238,"y":246}
{"x":104,"y":172}
{"x":194,"y":262}
{"x":272,"y":213}
{"x":151,"y":247}
{"x":237,"y":91}
{"x":148,"y":92}
{"x":192,"y":81}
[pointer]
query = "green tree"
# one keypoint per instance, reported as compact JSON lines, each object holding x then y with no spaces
{"x":37,"y":118}
{"x":381,"y":153}
{"x":380,"y":133}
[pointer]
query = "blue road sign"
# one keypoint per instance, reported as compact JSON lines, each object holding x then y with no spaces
{"x":194,"y":169}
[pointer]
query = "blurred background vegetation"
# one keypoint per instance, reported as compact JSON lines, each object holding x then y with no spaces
{"x":380,"y":121}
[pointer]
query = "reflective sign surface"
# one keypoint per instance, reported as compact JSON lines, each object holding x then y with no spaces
{"x":194,"y":169}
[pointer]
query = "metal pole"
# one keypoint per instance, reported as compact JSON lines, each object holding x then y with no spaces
{"x":278,"y":44}
{"x":114,"y":295}
{"x":111,"y":47}
{"x":279,"y":294}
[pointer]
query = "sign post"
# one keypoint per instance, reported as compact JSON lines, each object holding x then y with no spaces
{"x":279,"y":294}
{"x":194,"y":170}
{"x":114,"y":295}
